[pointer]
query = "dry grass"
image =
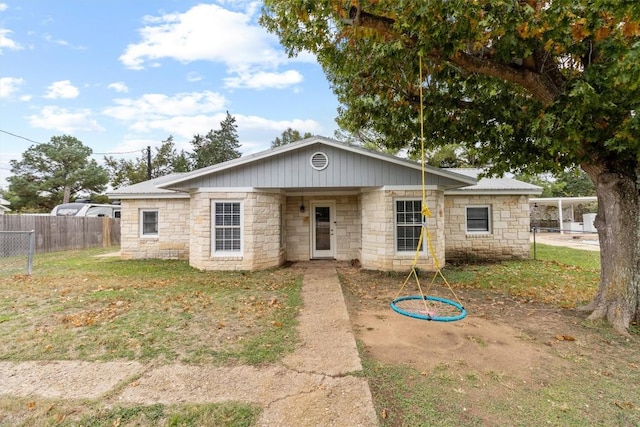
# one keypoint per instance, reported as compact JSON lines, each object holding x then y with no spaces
{"x":78,"y":306}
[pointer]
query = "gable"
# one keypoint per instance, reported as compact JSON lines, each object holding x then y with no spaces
{"x":291,"y":168}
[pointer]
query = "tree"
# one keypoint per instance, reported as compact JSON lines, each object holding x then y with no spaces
{"x":452,"y":156}
{"x":568,"y":183}
{"x":164,"y":161}
{"x":217,"y":146}
{"x":53,"y":173}
{"x":289,"y":136}
{"x":532,"y":85}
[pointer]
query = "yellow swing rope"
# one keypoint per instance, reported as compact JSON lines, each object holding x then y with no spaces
{"x":426,"y":213}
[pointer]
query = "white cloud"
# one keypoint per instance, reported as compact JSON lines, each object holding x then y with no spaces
{"x":64,"y":120}
{"x":204,"y":32}
{"x":3,"y":7}
{"x":263,"y":80}
{"x":193,"y":77}
{"x":209,"y":32}
{"x":10,"y":86}
{"x":62,"y":89}
{"x":6,"y":42}
{"x":156,"y":105}
{"x":255,"y":133}
{"x":179,"y":126}
{"x":49,"y":38}
{"x":119,"y":87}
{"x":260,"y":123}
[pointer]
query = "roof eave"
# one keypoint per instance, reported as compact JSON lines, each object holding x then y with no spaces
{"x":125,"y":196}
{"x":494,"y":192}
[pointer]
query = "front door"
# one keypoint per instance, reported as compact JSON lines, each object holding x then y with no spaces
{"x":323,"y":230}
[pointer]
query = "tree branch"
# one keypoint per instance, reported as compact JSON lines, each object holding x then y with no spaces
{"x":543,"y":82}
{"x":539,"y":85}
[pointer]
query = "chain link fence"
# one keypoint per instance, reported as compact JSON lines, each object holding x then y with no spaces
{"x":16,"y":252}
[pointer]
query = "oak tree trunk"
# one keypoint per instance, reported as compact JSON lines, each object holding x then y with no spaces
{"x":618,"y":225}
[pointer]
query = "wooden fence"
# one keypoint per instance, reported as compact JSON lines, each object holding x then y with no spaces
{"x":62,"y":233}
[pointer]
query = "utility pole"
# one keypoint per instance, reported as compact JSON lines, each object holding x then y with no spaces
{"x":148,"y":162}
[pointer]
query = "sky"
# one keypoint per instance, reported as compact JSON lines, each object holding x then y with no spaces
{"x":121,"y":75}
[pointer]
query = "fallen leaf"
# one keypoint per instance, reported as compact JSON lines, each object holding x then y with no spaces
{"x":624,"y":405}
{"x":276,"y":324}
{"x":31,"y":405}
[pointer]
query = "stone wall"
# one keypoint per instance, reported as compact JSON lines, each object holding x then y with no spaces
{"x":509,"y":236}
{"x":172,"y":241}
{"x":346,"y":227}
{"x":364,"y":229}
{"x":261,"y":244}
{"x":378,"y":233}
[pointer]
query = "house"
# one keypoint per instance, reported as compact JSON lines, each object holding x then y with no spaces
{"x":322,"y":199}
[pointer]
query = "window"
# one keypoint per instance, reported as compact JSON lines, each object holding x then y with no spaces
{"x":227,"y":227}
{"x":408,"y":224}
{"x":149,"y":223}
{"x":478,"y":219}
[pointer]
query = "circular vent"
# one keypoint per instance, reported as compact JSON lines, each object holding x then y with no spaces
{"x":319,"y":161}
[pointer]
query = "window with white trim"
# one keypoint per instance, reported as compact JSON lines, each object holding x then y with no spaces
{"x":149,"y":219}
{"x":408,"y":224}
{"x":227,"y":226}
{"x":478,"y":219}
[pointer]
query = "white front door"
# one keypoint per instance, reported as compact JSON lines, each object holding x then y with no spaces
{"x":323,"y":239}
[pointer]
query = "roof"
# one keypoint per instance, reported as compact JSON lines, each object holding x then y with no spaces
{"x":502,"y":185}
{"x":148,"y":189}
{"x":560,"y":201}
{"x":4,"y":202}
{"x":354,"y":167}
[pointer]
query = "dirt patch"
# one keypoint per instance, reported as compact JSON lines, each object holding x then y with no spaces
{"x":504,"y":344}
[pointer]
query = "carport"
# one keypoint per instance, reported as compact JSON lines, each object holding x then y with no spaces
{"x":568,"y":223}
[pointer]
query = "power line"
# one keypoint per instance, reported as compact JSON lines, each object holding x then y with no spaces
{"x":122,"y":152}
{"x":93,"y":154}
{"x":21,"y":137}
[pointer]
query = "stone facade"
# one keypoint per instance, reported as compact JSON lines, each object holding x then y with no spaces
{"x":172,"y":241}
{"x":274,"y":230}
{"x":261,"y":228}
{"x":378,"y":231}
{"x":346,"y":227}
{"x":509,"y":236}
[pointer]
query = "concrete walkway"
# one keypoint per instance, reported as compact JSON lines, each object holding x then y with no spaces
{"x":313,"y":386}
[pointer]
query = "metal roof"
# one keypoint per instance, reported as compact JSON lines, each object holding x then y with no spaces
{"x":148,"y":189}
{"x":503,"y":185}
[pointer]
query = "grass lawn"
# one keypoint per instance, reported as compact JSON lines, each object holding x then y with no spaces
{"x":82,"y":307}
{"x":78,"y":306}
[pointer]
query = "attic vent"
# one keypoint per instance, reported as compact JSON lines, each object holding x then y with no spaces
{"x":319,"y":161}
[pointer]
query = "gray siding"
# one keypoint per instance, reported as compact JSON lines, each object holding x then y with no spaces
{"x":293,"y":170}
